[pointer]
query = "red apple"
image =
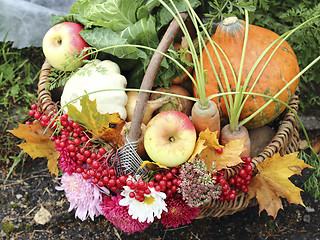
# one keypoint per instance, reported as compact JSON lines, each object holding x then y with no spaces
{"x":61,"y":43}
{"x":170,"y":138}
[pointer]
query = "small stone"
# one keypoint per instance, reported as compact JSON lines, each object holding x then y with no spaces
{"x":310,"y":209}
{"x":306,"y":218}
{"x":19,"y":196}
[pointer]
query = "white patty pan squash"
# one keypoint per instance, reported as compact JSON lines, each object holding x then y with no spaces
{"x":93,"y":76}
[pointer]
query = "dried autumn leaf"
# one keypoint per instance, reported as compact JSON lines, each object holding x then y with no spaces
{"x":106,"y":126}
{"x":153,"y":165}
{"x":228,"y":158}
{"x":38,"y":144}
{"x":42,"y":216}
{"x":272,"y":182}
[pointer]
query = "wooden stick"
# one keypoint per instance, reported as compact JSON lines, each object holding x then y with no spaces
{"x":147,"y":82}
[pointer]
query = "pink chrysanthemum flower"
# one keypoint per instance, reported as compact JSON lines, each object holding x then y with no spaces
{"x":119,"y":216}
{"x":83,"y":196}
{"x":178,"y":213}
{"x":66,"y":164}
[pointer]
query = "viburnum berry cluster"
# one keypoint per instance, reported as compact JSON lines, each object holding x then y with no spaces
{"x":240,"y":181}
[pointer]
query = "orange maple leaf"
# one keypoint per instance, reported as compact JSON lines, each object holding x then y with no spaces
{"x":106,"y":126}
{"x":208,"y":143}
{"x":38,"y":144}
{"x":272,"y":182}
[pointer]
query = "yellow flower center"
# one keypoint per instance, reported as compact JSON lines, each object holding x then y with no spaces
{"x":173,"y":210}
{"x":148,"y":200}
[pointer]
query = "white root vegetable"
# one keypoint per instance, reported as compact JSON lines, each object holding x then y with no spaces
{"x":152,"y":106}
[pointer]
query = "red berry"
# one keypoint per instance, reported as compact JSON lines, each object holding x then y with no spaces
{"x":243,"y":173}
{"x":94,"y":180}
{"x":92,"y":173}
{"x":71,"y":148}
{"x":112,"y":172}
{"x":31,"y":113}
{"x":86,"y":153}
{"x":244,"y":189}
{"x":222,"y":181}
{"x":77,"y":141}
{"x":225,"y":187}
{"x":28,"y":123}
{"x":114,"y":188}
{"x":158,"y":177}
{"x":37,"y":115}
{"x":34,"y":107}
{"x":248,"y":168}
{"x":123,"y":179}
{"x":132,"y":194}
{"x":100,"y":184}
{"x":147,"y":191}
{"x":174,"y":170}
{"x":112,"y":182}
{"x":151,"y":184}
{"x":45,"y":118}
{"x":95,"y":164}
{"x":232,"y":181}
{"x":105,"y":179}
{"x":232,"y":196}
{"x":64,"y":117}
{"x":101,"y":151}
{"x":163,"y":184}
{"x":79,"y":170}
{"x":89,"y":161}
{"x":157,"y":188}
{"x":219,"y":150}
{"x":85,"y":176}
{"x":169,"y":175}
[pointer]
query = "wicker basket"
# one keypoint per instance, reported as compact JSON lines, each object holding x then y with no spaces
{"x":285,"y":141}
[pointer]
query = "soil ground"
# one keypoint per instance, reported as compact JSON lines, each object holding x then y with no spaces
{"x":31,"y":186}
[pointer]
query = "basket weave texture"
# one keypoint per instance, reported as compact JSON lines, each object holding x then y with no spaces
{"x":285,"y":141}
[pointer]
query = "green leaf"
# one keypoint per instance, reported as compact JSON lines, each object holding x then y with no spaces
{"x":164,"y":16}
{"x":106,"y":126}
{"x":101,"y":38}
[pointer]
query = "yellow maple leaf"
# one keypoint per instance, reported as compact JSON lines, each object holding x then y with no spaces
{"x":38,"y":144}
{"x":228,"y":158}
{"x":198,"y":148}
{"x":211,"y":139}
{"x":106,"y":126}
{"x":272,"y":182}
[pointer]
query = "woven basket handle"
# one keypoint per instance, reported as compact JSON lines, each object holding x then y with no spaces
{"x":147,"y":82}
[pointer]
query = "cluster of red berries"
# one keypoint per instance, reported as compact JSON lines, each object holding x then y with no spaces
{"x":165,"y":181}
{"x":74,"y":144}
{"x":239,"y":181}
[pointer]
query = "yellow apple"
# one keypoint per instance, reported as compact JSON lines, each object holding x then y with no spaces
{"x":61,"y":43}
{"x":170,"y":138}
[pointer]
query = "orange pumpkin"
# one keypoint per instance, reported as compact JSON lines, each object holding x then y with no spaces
{"x":281,"y":69}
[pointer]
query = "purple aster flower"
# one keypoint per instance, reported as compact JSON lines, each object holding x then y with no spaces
{"x":178,"y":213}
{"x":119,"y":216}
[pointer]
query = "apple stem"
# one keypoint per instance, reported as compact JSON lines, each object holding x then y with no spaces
{"x":147,"y":82}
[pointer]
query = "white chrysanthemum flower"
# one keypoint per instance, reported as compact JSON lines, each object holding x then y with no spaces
{"x":151,"y":207}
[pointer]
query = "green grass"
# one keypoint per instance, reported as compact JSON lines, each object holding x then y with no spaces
{"x":19,"y":72}
{"x":312,"y":184}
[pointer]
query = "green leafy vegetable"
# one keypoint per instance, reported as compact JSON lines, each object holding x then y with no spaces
{"x":118,"y":22}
